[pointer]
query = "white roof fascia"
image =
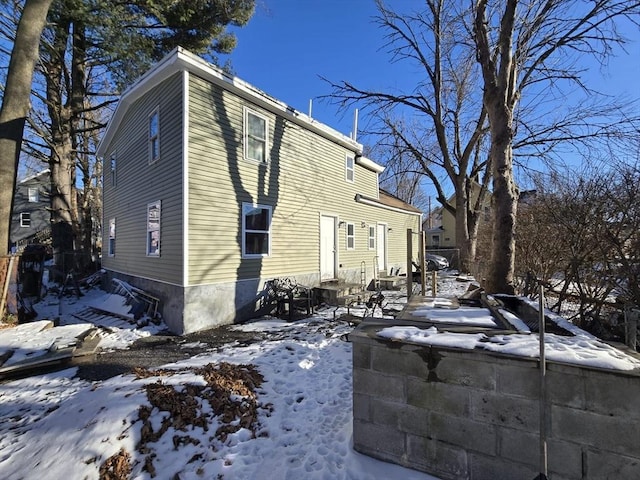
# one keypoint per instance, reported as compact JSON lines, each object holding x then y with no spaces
{"x":35,"y":175}
{"x":376,"y":203}
{"x":181,"y":59}
{"x":369,"y":164}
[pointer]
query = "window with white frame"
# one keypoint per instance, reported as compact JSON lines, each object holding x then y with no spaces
{"x":350,"y":173}
{"x":154,"y":136}
{"x":112,"y":166}
{"x":256,"y":230}
{"x":25,"y":219}
{"x":34,"y":196}
{"x":112,"y":237}
{"x":153,"y":229}
{"x":372,"y":237}
{"x":351,"y":236}
{"x":256,"y":145}
{"x":435,"y":240}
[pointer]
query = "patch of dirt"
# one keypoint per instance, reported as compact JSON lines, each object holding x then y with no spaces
{"x":161,"y":349}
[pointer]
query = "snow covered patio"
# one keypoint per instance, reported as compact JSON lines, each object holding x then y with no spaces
{"x":453,"y":391}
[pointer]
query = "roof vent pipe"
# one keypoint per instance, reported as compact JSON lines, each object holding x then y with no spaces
{"x":310,"y":107}
{"x":355,"y":125}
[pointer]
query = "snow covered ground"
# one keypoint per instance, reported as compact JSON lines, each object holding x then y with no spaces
{"x":288,"y":415}
{"x":57,"y":426}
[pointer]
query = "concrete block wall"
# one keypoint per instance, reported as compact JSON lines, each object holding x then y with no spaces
{"x":469,"y":414}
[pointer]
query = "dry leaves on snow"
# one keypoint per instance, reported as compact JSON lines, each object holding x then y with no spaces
{"x":230,"y":391}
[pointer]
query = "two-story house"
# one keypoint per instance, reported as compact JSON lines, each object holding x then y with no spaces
{"x":212,"y":187}
{"x":440,"y":224}
{"x":31,"y":215}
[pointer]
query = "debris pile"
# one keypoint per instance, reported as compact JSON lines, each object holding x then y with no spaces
{"x":229,"y":391}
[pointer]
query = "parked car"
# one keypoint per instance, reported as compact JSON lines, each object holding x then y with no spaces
{"x":436,"y":262}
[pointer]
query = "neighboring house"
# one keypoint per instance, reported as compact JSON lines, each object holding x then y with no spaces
{"x":212,"y":187}
{"x":31,"y":217}
{"x":440,"y":223}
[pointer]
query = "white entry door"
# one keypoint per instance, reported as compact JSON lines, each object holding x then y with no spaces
{"x":381,"y":247}
{"x":328,"y":248}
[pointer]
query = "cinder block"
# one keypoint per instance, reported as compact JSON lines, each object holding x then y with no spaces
{"x":398,"y":361}
{"x":471,"y":371}
{"x":565,"y":386}
{"x":380,"y":442}
{"x":518,"y":446}
{"x":494,"y":468}
{"x":464,"y":432}
{"x":362,"y":407}
{"x":606,"y":465}
{"x":386,"y":413}
{"x":614,"y":394}
{"x":514,"y":412}
{"x":375,"y":384}
{"x":563,"y":458}
{"x":439,"y":397}
{"x":520,"y":379}
{"x":437,"y":458}
{"x":361,"y":355}
{"x":602,"y":432}
{"x":414,"y":420}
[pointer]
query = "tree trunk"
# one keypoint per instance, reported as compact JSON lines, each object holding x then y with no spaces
{"x":16,"y":104}
{"x":463,"y":241}
{"x":62,"y":161}
{"x":505,"y":195}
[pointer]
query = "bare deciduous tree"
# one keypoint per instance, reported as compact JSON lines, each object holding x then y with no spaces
{"x":520,"y":46}
{"x":438,"y":127}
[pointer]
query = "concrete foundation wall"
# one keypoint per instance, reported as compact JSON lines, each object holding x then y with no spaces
{"x":190,"y":309}
{"x":467,"y":414}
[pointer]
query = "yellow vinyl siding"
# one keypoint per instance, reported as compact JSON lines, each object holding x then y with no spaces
{"x":304,"y":176}
{"x":139,"y":184}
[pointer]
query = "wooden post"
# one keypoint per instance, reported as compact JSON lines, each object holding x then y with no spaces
{"x":631,"y":327}
{"x":434,"y":283}
{"x":409,"y":262}
{"x":5,"y":287}
{"x":423,"y":270}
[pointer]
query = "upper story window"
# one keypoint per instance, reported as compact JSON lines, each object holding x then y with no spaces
{"x":351,"y":236}
{"x":153,"y":229}
{"x":112,"y":237}
{"x":25,"y":219}
{"x":350,"y":173}
{"x":372,"y":237}
{"x":34,"y":196}
{"x":154,"y":136}
{"x":256,"y":145}
{"x":112,"y":169}
{"x":256,"y":230}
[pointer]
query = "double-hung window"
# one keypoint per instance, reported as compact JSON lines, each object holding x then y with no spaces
{"x":256,"y":128}
{"x":372,"y":237}
{"x":112,"y":237}
{"x":25,"y":219}
{"x":33,"y":195}
{"x":256,"y":230}
{"x":350,"y":173}
{"x":351,"y":236}
{"x":154,"y":136}
{"x":153,"y":229}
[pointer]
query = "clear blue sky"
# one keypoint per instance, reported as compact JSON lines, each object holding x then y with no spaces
{"x":289,"y":44}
